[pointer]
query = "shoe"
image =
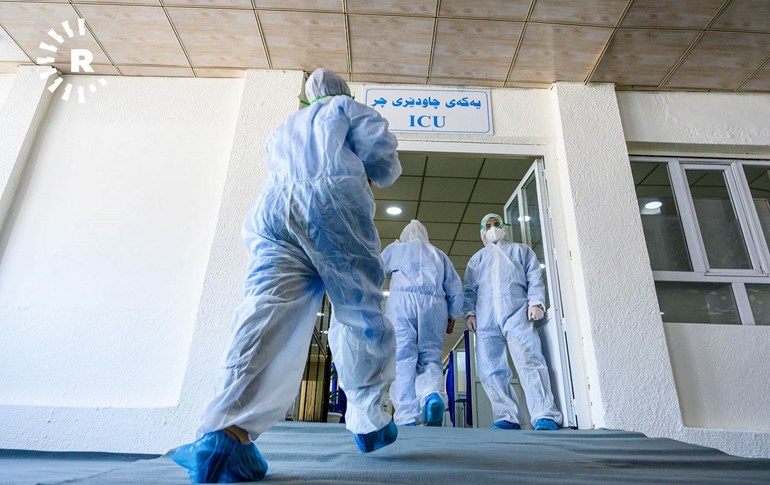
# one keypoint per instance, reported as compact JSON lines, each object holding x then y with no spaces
{"x":218,"y":458}
{"x":546,"y":424}
{"x":434,"y":410}
{"x":377,"y":439}
{"x":505,"y":425}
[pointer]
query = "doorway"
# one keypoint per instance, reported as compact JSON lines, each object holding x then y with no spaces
{"x":450,"y":193}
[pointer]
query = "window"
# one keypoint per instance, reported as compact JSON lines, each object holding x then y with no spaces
{"x":707,"y":226}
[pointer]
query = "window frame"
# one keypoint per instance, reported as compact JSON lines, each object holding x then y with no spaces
{"x":739,"y":192}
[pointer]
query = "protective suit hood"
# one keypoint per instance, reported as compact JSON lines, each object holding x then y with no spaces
{"x":483,"y":232}
{"x":414,"y":231}
{"x":324,"y":82}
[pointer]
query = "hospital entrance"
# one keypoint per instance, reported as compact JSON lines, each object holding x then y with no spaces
{"x":450,"y":193}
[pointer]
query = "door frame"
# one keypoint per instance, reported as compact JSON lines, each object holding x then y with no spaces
{"x":581,"y":415}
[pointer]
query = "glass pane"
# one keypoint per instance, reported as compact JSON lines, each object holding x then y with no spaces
{"x":759,"y":297}
{"x":759,"y":183}
{"x":514,"y":216}
{"x":531,"y":219}
{"x":719,"y":226}
{"x":660,"y":218}
{"x":697,"y":302}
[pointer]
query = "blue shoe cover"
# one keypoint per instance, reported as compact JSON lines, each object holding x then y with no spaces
{"x":218,"y":458}
{"x":434,"y":410}
{"x":546,"y":424}
{"x":377,"y":439}
{"x":414,"y":423}
{"x":505,"y":425}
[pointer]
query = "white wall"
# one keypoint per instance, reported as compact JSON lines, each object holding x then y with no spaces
{"x":6,"y":81}
{"x":721,"y":374}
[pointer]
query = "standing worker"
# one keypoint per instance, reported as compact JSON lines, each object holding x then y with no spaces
{"x":426,"y":296}
{"x":504,"y":294}
{"x":311,"y":231}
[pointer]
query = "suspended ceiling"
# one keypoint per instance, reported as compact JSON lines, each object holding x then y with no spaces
{"x":640,"y":44}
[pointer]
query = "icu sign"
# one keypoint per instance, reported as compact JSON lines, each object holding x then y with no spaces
{"x":465,"y":111}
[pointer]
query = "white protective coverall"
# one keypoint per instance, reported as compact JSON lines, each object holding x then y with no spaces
{"x":311,"y":231}
{"x":425,"y":291}
{"x":502,"y":281}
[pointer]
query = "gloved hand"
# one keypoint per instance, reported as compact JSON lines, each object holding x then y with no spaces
{"x":470,"y":323}
{"x":450,"y":326}
{"x":536,"y":313}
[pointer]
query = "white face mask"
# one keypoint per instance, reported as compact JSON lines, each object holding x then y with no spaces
{"x":495,"y":234}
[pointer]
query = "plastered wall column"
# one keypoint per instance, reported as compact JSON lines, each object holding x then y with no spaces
{"x":629,"y":373}
{"x":20,"y":117}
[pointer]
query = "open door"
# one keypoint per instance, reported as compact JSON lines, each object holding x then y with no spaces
{"x":527,"y":213}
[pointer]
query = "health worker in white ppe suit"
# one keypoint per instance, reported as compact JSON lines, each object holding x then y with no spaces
{"x":426,"y":297}
{"x":504,"y":294}
{"x":312,"y":231}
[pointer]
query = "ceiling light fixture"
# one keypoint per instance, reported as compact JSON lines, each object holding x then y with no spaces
{"x":393,"y":210}
{"x":655,"y":204}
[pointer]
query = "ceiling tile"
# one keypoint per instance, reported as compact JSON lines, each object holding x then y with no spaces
{"x":442,"y":244}
{"x":466,"y":248}
{"x":390,"y":45}
{"x":751,"y":15}
{"x":476,"y":212}
{"x":446,"y":189}
{"x":305,"y":40}
{"x":493,"y":191}
{"x":244,"y":4}
{"x":405,"y":188}
{"x":642,"y":56}
{"x":440,"y":211}
{"x":399,"y":7}
{"x":441,"y":230}
{"x":409,"y":211}
{"x":220,"y":73}
{"x":447,"y":165}
{"x":135,"y":35}
{"x":596,"y":12}
{"x":663,"y":14}
{"x":9,"y":51}
{"x":388,"y":79}
{"x":721,"y":60}
{"x":470,"y":232}
{"x":453,"y":81}
{"x":324,"y":5}
{"x":506,"y":168}
{"x":460,"y":261}
{"x":474,"y":48}
{"x":760,"y":81}
{"x":390,"y":230}
{"x":486,"y":9}
{"x":154,"y":3}
{"x":558,"y":52}
{"x":29,"y":24}
{"x":219,"y":38}
{"x":156,"y":71}
{"x":412,"y":163}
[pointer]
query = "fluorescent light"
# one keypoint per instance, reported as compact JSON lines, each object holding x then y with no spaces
{"x":386,"y":293}
{"x":393,"y":210}
{"x":525,"y":218}
{"x":655,"y":204}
